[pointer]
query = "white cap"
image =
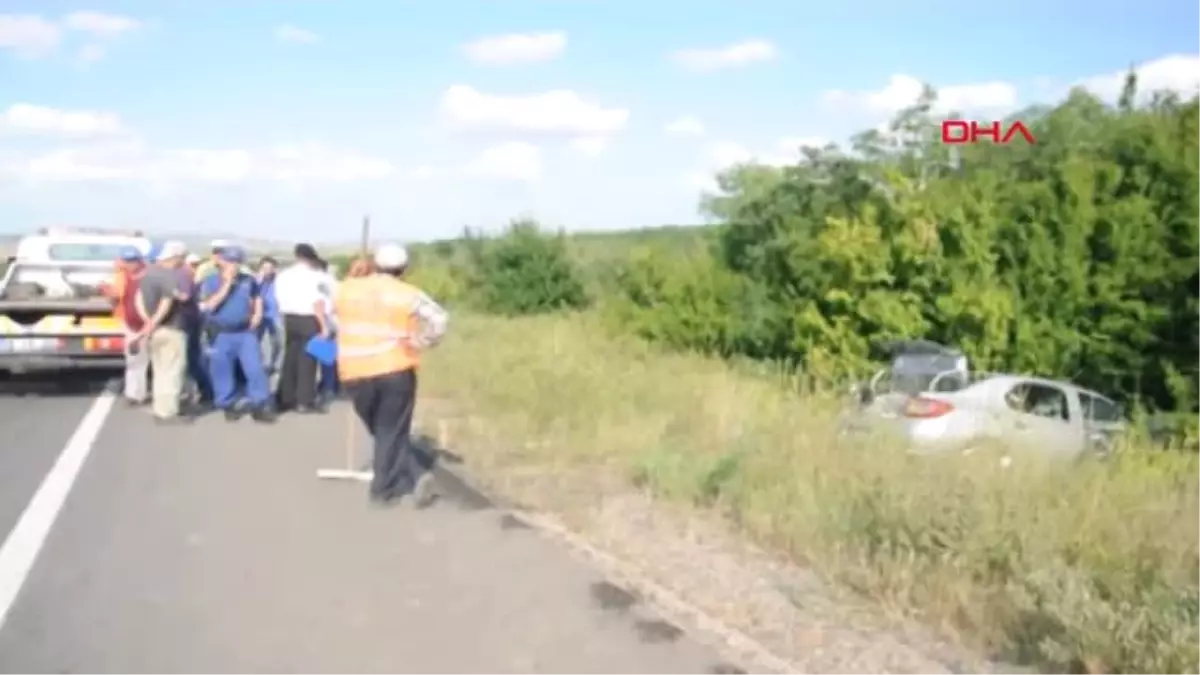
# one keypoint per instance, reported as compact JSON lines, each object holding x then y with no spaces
{"x":173,"y":249}
{"x":219,"y":243}
{"x":391,"y":257}
{"x":192,"y":259}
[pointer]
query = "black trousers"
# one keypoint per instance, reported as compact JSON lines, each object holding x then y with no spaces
{"x":298,"y":374}
{"x":385,"y":405}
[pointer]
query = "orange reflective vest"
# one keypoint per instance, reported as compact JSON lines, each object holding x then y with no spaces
{"x":375,"y":319}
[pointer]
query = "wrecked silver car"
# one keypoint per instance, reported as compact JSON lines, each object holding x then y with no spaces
{"x":932,"y":403}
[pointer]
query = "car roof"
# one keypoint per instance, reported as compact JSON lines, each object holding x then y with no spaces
{"x":1010,"y":379}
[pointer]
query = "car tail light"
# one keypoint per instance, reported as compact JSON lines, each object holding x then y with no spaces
{"x":104,"y":344}
{"x":926,"y":408}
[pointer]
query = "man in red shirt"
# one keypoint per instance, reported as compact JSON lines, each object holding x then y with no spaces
{"x":123,"y":292}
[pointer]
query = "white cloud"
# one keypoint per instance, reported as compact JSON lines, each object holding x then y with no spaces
{"x":517,"y":48}
{"x":29,"y":36}
{"x":295,"y":35}
{"x":133,"y":161}
{"x":788,"y":151}
{"x":687,"y":125}
{"x":424,"y":171}
{"x":700,"y":181}
{"x":725,"y":154}
{"x":514,"y":160}
{"x":91,"y":53}
{"x":903,"y":90}
{"x":311,"y":161}
{"x":1176,"y":72}
{"x":559,"y":111}
{"x":796,"y":143}
{"x":71,"y":165}
{"x":590,"y":146}
{"x":100,"y":24}
{"x":719,"y":156}
{"x":730,"y":56}
{"x":35,"y":119}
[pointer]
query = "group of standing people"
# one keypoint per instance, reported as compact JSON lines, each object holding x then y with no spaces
{"x":217,"y":334}
{"x":242,"y":335}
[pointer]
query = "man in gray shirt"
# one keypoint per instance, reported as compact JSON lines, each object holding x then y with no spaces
{"x":161,"y":295}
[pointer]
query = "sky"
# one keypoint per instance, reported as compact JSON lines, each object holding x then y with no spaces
{"x":292,"y":119}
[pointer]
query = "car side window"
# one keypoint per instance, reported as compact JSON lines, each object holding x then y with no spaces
{"x":1098,"y":408}
{"x":1039,"y":399}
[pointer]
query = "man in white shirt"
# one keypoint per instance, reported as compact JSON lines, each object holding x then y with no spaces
{"x":302,"y":293}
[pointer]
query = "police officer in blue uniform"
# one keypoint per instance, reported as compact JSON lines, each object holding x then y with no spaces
{"x":233,"y":310}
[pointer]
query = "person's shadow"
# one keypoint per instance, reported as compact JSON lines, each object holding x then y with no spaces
{"x":59,"y":384}
{"x":452,"y":488}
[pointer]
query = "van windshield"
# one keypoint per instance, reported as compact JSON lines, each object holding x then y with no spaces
{"x":85,"y":252}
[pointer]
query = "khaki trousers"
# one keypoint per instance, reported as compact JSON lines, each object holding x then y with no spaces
{"x":168,"y":358}
{"x":137,"y":366}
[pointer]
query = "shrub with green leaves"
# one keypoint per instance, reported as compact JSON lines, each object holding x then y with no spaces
{"x":525,"y":271}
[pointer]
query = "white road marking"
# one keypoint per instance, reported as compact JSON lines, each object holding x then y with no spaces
{"x":21,"y":549}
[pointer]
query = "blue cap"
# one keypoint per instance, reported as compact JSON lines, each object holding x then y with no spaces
{"x":130,"y":254}
{"x":233,"y":254}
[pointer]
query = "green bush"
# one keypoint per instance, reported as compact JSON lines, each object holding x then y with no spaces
{"x":524,"y":271}
{"x":692,"y":302}
{"x":443,"y":282}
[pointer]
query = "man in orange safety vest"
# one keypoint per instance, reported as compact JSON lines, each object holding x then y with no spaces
{"x":383,"y":325}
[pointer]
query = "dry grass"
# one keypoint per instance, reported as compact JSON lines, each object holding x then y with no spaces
{"x":1090,"y":567}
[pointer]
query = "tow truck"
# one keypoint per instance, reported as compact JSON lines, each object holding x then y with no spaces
{"x":54,"y":315}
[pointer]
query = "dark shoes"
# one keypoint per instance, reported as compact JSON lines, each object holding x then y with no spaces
{"x":423,"y":495}
{"x":198,"y":408}
{"x":263,"y":415}
{"x":260,"y":415}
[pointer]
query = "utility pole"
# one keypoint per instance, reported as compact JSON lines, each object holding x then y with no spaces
{"x":365,"y":243}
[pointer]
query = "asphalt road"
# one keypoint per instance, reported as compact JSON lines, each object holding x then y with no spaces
{"x":214,"y":548}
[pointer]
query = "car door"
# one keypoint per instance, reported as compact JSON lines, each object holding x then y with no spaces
{"x":1041,"y":418}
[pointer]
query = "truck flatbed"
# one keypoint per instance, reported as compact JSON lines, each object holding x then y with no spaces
{"x":64,"y":306}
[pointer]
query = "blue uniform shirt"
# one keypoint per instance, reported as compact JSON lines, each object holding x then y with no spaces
{"x":235,"y":312}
